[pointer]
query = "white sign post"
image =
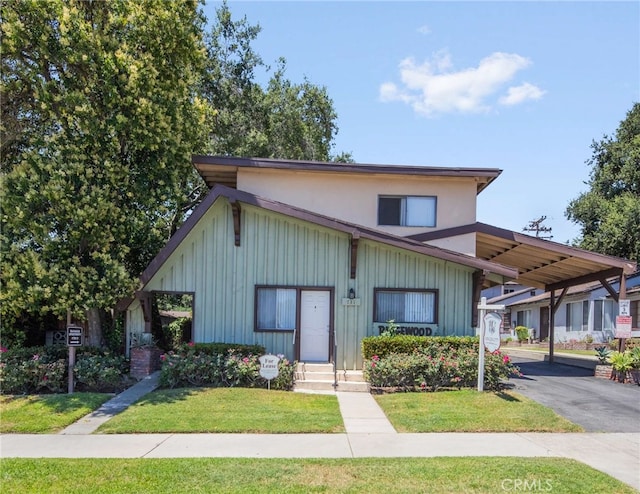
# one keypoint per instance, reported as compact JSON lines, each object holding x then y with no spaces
{"x":269,"y":368}
{"x":491,"y":326}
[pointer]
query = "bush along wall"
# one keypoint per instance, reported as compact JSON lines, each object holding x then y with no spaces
{"x":34,"y":370}
{"x":221,"y":365}
{"x":431,"y":365}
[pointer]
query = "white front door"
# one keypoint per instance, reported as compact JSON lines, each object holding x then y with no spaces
{"x":315,"y":310}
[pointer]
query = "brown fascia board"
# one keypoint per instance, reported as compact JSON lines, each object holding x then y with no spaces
{"x":572,"y":290}
{"x":332,"y":223}
{"x":626,"y":265}
{"x":490,"y":174}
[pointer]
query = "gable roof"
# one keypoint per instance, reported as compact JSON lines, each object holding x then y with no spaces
{"x":540,"y":263}
{"x":356,"y":231}
{"x":223,"y":170}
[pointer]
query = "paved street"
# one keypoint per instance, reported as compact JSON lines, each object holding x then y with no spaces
{"x":598,"y":405}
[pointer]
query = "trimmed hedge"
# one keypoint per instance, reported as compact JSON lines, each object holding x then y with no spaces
{"x":224,"y":348}
{"x":383,"y":346}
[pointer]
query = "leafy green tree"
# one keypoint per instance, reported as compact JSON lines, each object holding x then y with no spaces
{"x":609,"y":213}
{"x":283,"y":120}
{"x":100,"y":116}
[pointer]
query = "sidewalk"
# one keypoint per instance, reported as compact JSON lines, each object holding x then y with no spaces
{"x":368,"y":434}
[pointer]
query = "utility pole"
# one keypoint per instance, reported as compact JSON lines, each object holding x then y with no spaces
{"x":538,"y":227}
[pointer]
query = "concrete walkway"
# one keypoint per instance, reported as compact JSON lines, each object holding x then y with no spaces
{"x":361,"y":414}
{"x":368,"y":434}
{"x":89,"y":423}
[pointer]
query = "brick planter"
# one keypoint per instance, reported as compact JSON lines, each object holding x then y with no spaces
{"x":604,"y":371}
{"x":145,"y":360}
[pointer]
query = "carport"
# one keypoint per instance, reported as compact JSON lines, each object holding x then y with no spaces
{"x":540,"y":263}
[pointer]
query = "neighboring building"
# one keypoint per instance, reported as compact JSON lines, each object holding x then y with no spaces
{"x":307,"y":258}
{"x":509,"y":288}
{"x":587,"y":310}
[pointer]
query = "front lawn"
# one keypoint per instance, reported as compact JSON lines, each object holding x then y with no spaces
{"x":470,"y":411}
{"x":260,"y":475}
{"x":46,"y":414}
{"x":228,"y":410}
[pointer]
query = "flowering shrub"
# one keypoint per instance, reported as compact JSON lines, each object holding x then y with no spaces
{"x":32,"y":370}
{"x":99,"y":372}
{"x":45,"y":370}
{"x":191,"y":367}
{"x":423,"y":370}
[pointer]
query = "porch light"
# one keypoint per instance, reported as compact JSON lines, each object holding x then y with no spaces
{"x":352,"y":293}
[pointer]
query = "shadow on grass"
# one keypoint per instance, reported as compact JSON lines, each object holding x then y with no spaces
{"x":507,"y":397}
{"x":61,"y":403}
{"x":164,"y":396}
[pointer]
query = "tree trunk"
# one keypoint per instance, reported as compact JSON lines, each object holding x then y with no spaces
{"x":94,"y":327}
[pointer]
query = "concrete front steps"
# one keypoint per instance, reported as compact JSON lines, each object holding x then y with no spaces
{"x":320,"y":377}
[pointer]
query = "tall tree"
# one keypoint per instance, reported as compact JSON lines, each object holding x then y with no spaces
{"x":609,"y":212}
{"x":100,"y":117}
{"x":282,"y":120}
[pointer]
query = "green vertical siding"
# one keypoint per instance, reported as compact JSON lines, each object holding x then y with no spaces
{"x":279,"y":250}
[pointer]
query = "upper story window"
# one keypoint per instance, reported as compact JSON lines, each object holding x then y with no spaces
{"x":407,"y":210}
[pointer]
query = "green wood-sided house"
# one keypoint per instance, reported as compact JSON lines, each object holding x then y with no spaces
{"x":308,"y":258}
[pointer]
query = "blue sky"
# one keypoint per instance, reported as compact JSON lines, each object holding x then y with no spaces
{"x":520,"y":86}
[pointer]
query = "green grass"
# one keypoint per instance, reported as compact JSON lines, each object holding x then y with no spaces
{"x":469,"y":411}
{"x":253,"y":475}
{"x":229,"y":410}
{"x":46,"y":413}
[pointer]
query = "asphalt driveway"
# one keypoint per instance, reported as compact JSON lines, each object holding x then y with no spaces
{"x":598,"y":405}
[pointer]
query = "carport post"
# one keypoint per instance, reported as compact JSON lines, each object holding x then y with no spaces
{"x":552,"y":324}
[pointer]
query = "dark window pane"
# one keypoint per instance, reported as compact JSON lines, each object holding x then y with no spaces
{"x":389,"y":210}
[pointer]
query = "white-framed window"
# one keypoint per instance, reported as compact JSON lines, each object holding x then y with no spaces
{"x":405,"y":306}
{"x":523,"y":318}
{"x":407,"y":210}
{"x":604,"y":314}
{"x":276,"y":308}
{"x":578,"y":316}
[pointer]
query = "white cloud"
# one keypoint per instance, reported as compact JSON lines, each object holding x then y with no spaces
{"x":433,"y":87}
{"x":519,"y":94}
{"x":424,"y":29}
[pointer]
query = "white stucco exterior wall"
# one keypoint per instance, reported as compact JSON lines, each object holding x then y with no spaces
{"x":354,"y":198}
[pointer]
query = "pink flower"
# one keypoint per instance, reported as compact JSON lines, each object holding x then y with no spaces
{"x":245,"y":360}
{"x":505,"y":359}
{"x":373,"y":365}
{"x":3,"y":349}
{"x":375,"y":358}
{"x":36,"y":357}
{"x":191,"y":343}
{"x":163,"y":357}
